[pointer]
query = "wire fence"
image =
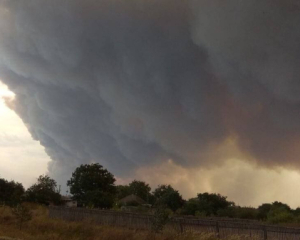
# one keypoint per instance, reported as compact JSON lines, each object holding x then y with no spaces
{"x":221,"y":228}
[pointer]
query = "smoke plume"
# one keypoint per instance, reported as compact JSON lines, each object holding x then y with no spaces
{"x":135,"y":83}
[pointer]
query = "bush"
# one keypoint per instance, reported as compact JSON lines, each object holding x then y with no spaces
{"x":190,"y":207}
{"x":43,"y":191}
{"x":246,"y":213}
{"x":160,"y":219}
{"x":168,"y":196}
{"x":22,"y":214}
{"x":280,"y":216}
{"x":229,"y":212}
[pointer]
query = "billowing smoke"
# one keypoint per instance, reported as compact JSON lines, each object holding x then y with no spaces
{"x":135,"y":83}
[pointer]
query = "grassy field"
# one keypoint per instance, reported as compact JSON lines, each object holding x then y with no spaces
{"x":40,"y":227}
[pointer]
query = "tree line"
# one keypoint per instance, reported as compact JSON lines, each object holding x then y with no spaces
{"x":93,"y":186}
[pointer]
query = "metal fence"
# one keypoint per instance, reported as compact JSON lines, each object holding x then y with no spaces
{"x":221,"y":228}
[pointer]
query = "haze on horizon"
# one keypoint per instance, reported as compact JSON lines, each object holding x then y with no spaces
{"x":203,"y":95}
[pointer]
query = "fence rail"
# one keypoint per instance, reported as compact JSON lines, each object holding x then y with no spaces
{"x":222,"y":228}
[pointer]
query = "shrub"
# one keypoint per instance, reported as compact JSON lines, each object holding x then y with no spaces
{"x":160,"y":219}
{"x":280,"y":216}
{"x":22,"y":214}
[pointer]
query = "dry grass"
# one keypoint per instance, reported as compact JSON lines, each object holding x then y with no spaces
{"x":43,"y":228}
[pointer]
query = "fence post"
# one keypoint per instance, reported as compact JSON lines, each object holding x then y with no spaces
{"x":181,"y":227}
{"x":265,"y":233}
{"x":217,"y":229}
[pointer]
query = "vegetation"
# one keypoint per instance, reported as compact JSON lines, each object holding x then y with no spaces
{"x":43,"y":192}
{"x":10,"y":192}
{"x":210,"y":204}
{"x":93,"y":186}
{"x":140,"y":189}
{"x":122,"y":191}
{"x":22,"y":214}
{"x":161,"y":217}
{"x":41,"y":227}
{"x":166,"y":195}
{"x":207,"y":204}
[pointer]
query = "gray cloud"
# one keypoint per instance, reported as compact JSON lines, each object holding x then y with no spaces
{"x":131,"y":84}
{"x":254,"y":49}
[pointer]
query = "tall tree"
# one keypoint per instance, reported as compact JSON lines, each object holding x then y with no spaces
{"x":140,"y":189}
{"x":263,"y":210}
{"x":44,"y":191}
{"x":91,"y":184}
{"x":191,"y":206}
{"x":168,"y":196}
{"x":276,"y":205}
{"x":10,"y":192}
{"x":210,"y":203}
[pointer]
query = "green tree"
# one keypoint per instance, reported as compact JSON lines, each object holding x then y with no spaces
{"x":190,"y":207}
{"x":210,"y":203}
{"x":44,"y":191}
{"x":230,"y":212}
{"x":11,"y":192}
{"x":263,"y":211}
{"x":280,"y":213}
{"x":246,"y":212}
{"x":122,"y":191}
{"x":166,"y":195}
{"x":140,"y":189}
{"x":297,"y":212}
{"x":92,"y":185}
{"x":276,"y":205}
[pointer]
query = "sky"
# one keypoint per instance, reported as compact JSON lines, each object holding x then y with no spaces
{"x":203,"y":95}
{"x":23,"y":159}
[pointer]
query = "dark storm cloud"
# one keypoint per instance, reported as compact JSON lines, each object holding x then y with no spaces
{"x":129,"y":84}
{"x":254,"y":48}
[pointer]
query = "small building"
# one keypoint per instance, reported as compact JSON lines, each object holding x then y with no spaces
{"x":67,"y":201}
{"x":133,"y":203}
{"x":132,"y":200}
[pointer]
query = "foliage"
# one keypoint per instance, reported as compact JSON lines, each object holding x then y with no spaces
{"x":297,"y":212}
{"x":277,"y":205}
{"x":168,"y":196}
{"x":140,"y":189}
{"x":263,"y":211}
{"x":43,"y":192}
{"x":210,"y":203}
{"x":122,"y":191}
{"x":22,"y":214}
{"x":280,"y":215}
{"x":91,"y":184}
{"x":42,"y":227}
{"x":160,"y":219}
{"x":238,"y":212}
{"x":277,"y":212}
{"x":190,"y":207}
{"x":10,"y":192}
{"x":230,"y":212}
{"x":246,"y":213}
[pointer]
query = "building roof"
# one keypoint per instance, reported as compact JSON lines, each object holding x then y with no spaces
{"x":132,"y":198}
{"x":66,"y":198}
